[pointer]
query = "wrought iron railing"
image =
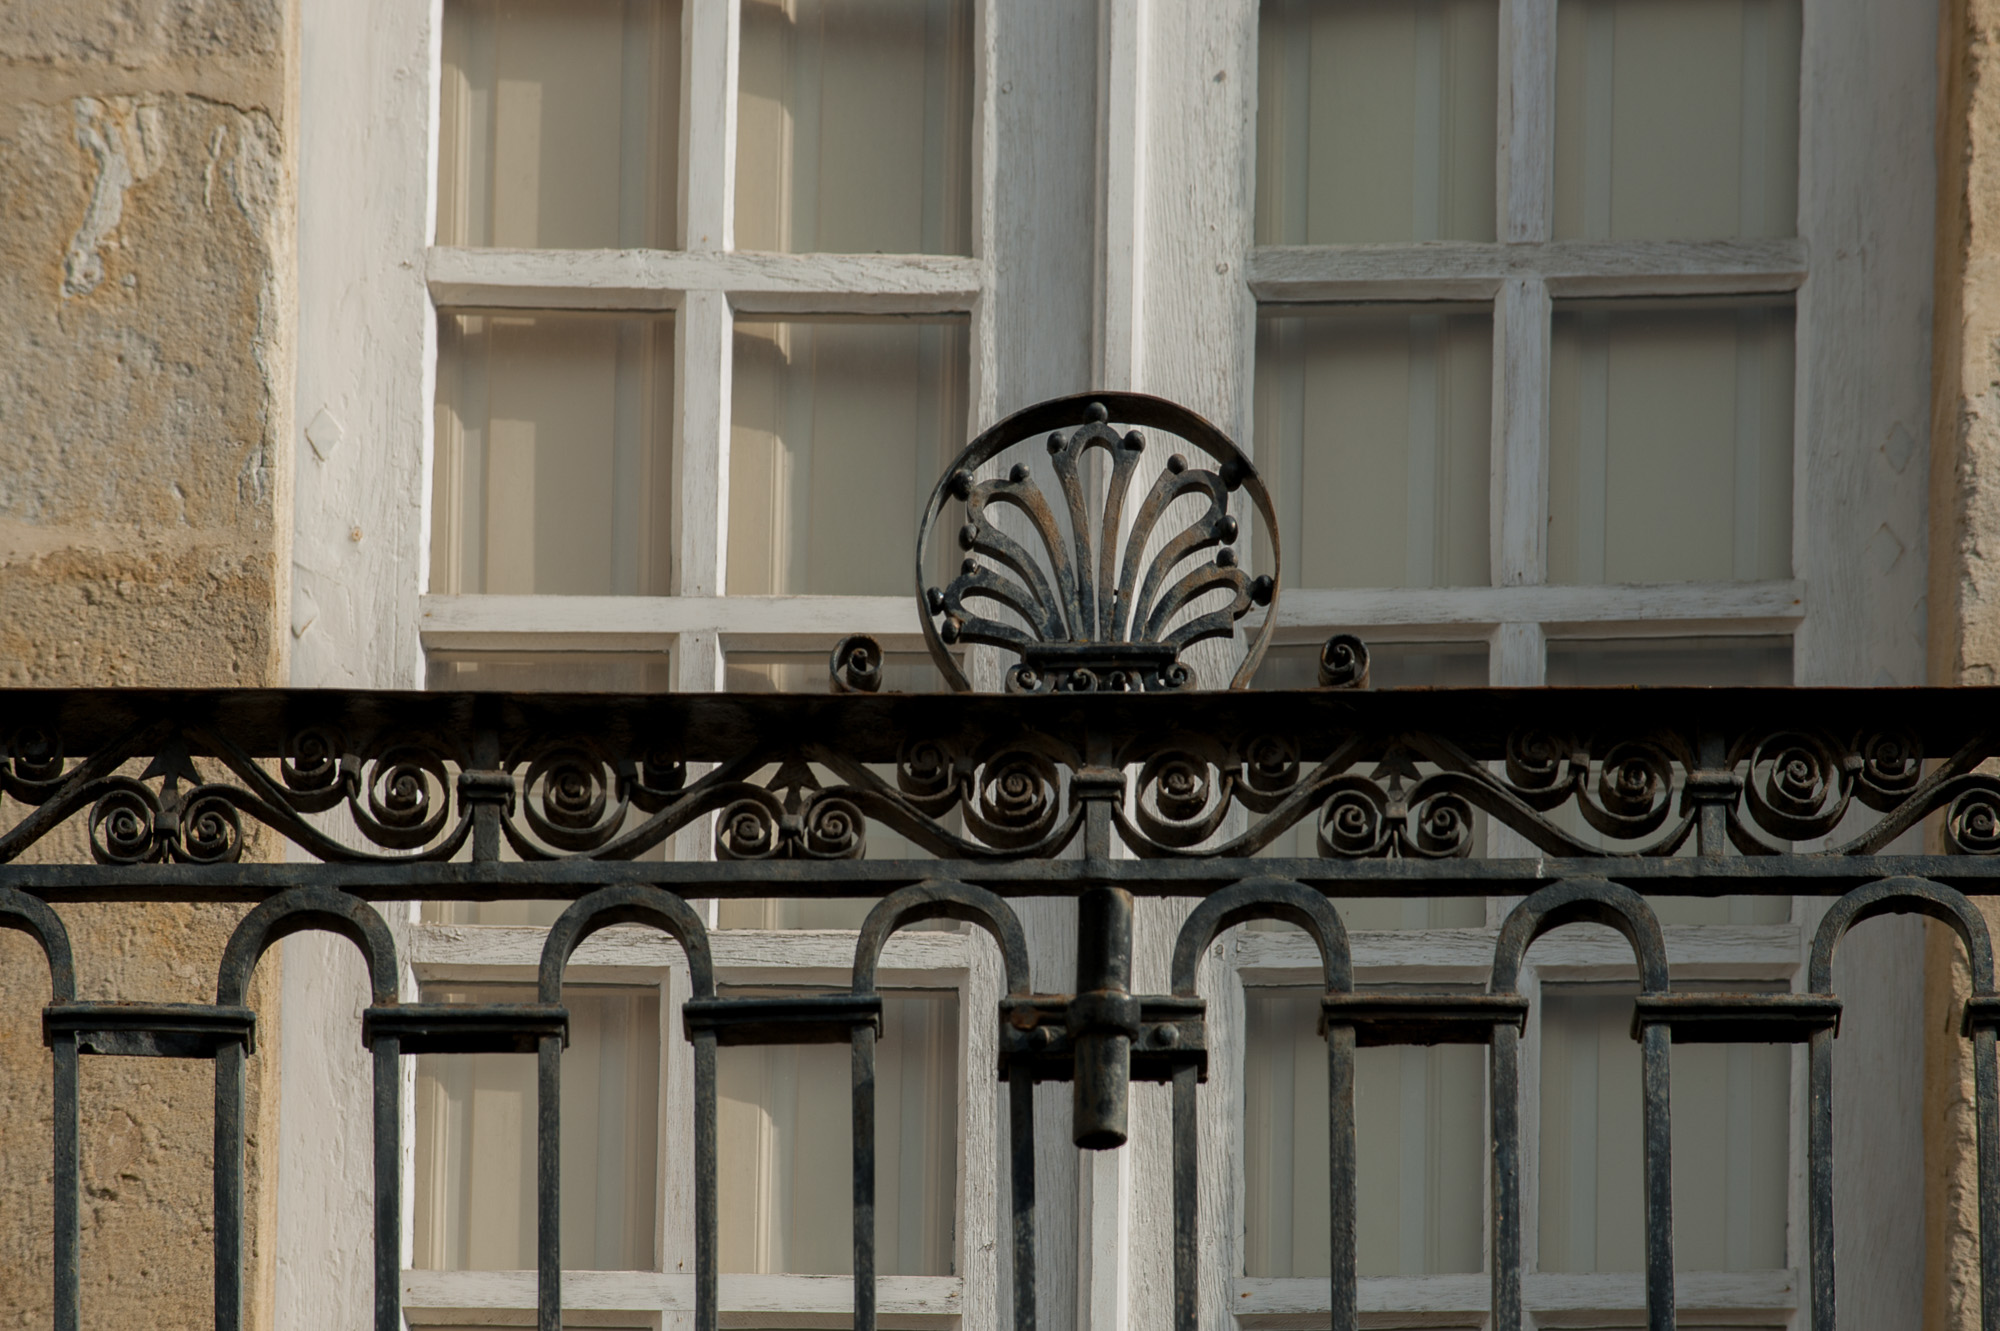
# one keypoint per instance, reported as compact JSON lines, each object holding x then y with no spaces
{"x":1103,"y":775}
{"x":412,"y":796}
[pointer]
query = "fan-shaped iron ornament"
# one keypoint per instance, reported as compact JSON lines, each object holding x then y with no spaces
{"x":1110,"y":603}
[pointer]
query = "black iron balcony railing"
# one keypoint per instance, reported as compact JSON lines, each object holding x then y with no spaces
{"x":1102,"y":777}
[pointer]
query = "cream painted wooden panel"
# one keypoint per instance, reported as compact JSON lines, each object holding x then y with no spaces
{"x":1372,"y":430}
{"x":1376,"y":121}
{"x":558,"y":123}
{"x":1676,"y":118}
{"x":854,"y":126}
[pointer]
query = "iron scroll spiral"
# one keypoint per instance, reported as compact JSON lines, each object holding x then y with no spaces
{"x":1091,"y":609}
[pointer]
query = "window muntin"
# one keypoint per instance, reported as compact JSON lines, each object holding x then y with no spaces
{"x":1376,"y":120}
{"x":839,"y":428}
{"x":1374,"y":428}
{"x":854,"y":127}
{"x":475,"y":1139}
{"x":785,"y":1160}
{"x":1420,"y":1148}
{"x":1676,"y":119}
{"x":1731,"y":1109}
{"x":554,"y":454}
{"x":1670,"y":441}
{"x":558,"y":123}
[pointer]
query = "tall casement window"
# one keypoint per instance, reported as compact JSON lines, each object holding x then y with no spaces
{"x":704,"y":287}
{"x":1524,"y":356}
{"x":1581,"y":342}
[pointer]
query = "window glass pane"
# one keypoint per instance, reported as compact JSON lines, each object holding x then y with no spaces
{"x":786,"y":1157}
{"x":558,"y":123}
{"x":475,"y":1139}
{"x":1599,"y":663}
{"x":1373,"y":425}
{"x":1764,"y":662}
{"x":854,"y":127}
{"x":1676,"y":119}
{"x":554,"y":444}
{"x":1420,"y":1146}
{"x":1670,"y":441}
{"x":551,"y":672}
{"x":1375,"y":120}
{"x":1731,"y":1104}
{"x":839,"y":429}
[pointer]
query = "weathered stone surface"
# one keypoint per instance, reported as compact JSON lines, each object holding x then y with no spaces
{"x":146,"y":309}
{"x":1964,"y":589}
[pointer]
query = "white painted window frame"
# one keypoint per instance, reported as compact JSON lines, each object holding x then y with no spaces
{"x":1520,"y":275}
{"x":1175,"y":270}
{"x":388,"y":619}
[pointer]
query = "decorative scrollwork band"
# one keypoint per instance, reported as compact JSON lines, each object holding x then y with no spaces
{"x":1324,"y":772}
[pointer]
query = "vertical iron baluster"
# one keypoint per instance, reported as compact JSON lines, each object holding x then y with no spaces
{"x":67,"y":1184}
{"x":862,"y":1056}
{"x":1021,"y":1158}
{"x":1345,"y":1293}
{"x":705,"y":1261}
{"x":548,"y":1184}
{"x":1187,"y":1239}
{"x":1655,"y":1055}
{"x":229,"y":1061}
{"x":1819,"y":1174}
{"x":388,"y":1183}
{"x":1506,"y":1112}
{"x":1986,"y":1102}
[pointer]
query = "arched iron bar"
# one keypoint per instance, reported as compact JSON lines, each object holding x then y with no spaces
{"x":299,"y":910}
{"x":33,"y":917}
{"x":1268,"y":899}
{"x":898,"y":910}
{"x":1905,"y":896}
{"x":628,"y":904}
{"x":1574,"y":901}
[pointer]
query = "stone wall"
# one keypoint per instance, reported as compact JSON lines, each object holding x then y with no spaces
{"x":1964,"y":586}
{"x":146,"y":321}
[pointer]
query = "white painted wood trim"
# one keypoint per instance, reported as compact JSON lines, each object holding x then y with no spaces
{"x":703,"y":359}
{"x":661,"y":279}
{"x":1517,"y":657}
{"x":710,"y":32}
{"x":1121,"y":175}
{"x":1280,"y":1303}
{"x":579,"y":623}
{"x":1525,"y":174}
{"x":1520,"y":447}
{"x":1459,"y":270}
{"x":444,"y":951}
{"x":1556,"y":606}
{"x":925,"y":1300}
{"x":1574,"y":953}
